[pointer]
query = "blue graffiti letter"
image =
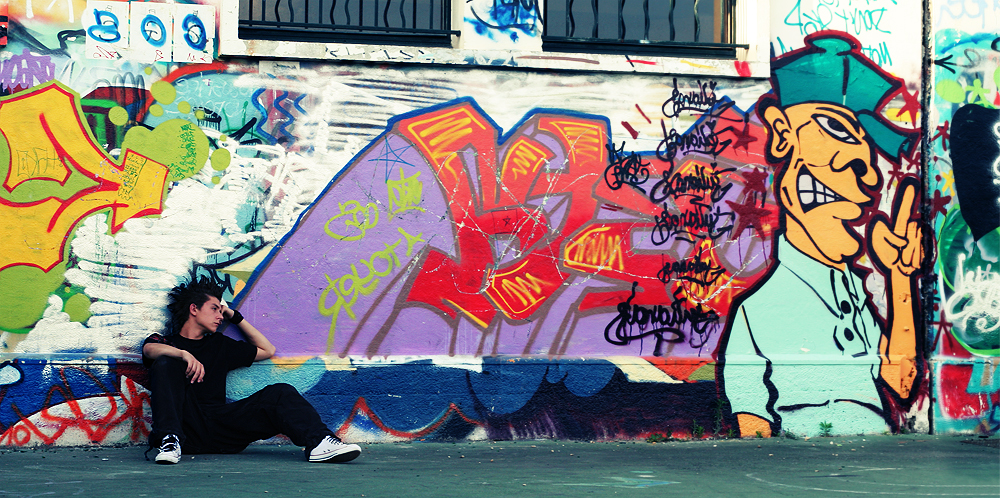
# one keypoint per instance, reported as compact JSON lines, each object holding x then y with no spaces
{"x":106,"y":29}
{"x":153,"y":30}
{"x":194,"y":32}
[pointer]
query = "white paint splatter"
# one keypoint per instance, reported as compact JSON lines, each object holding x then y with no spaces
{"x":9,"y":374}
{"x":975,"y":304}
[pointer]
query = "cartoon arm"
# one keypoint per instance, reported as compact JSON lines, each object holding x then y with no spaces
{"x":897,"y":252}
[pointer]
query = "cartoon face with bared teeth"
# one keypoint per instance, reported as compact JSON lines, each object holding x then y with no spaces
{"x":827,"y":178}
{"x":825,"y":133}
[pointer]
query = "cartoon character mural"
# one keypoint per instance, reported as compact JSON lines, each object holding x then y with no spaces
{"x":824,"y":132}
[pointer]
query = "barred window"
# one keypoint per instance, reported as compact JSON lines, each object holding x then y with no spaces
{"x":382,"y":22}
{"x":700,"y":28}
{"x":669,"y":27}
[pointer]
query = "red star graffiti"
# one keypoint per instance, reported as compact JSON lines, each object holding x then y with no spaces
{"x":895,"y":174}
{"x":755,"y":180}
{"x":942,"y":131}
{"x":911,"y":105}
{"x":749,"y":216}
{"x":744,"y":139}
{"x":939,"y":203}
{"x":912,"y":163}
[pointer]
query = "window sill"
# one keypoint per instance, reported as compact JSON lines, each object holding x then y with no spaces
{"x":272,"y":49}
{"x":307,"y":34}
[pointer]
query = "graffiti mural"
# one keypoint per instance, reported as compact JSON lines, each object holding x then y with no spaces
{"x":56,"y":175}
{"x":81,"y":405}
{"x":825,"y":139}
{"x":878,"y":25}
{"x":459,"y":252}
{"x":522,"y":243}
{"x":505,"y":20}
{"x":964,"y":199}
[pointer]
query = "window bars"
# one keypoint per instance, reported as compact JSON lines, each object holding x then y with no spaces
{"x":703,"y":28}
{"x":379,"y":22}
{"x":700,"y":28}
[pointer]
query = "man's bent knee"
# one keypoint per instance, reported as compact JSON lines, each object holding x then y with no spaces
{"x":280,"y":392}
{"x":280,"y":389}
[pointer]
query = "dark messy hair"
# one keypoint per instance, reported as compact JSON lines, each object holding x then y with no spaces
{"x":180,"y":299}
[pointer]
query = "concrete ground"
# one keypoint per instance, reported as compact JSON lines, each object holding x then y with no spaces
{"x":906,"y":465}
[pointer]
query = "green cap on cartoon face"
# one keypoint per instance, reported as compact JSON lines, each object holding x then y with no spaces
{"x":832,"y":69}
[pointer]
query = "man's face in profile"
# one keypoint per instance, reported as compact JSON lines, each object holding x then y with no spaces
{"x":827,"y":176}
{"x":209,"y":316}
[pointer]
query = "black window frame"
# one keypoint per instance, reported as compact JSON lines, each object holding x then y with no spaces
{"x":623,"y":41}
{"x":373,"y":22}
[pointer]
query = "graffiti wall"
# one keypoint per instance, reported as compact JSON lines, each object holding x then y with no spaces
{"x":887,"y":30}
{"x":443,"y":253}
{"x":964,"y":205}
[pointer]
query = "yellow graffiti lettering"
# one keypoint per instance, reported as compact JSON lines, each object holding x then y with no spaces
{"x":595,"y":249}
{"x":586,"y":142}
{"x":437,"y":134}
{"x":341,"y":303}
{"x":518,"y":291}
{"x":354,"y":211}
{"x":334,"y":285}
{"x":44,"y":141}
{"x":348,"y":288}
{"x":527,"y":289}
{"x":388,"y":255}
{"x":439,"y":137}
{"x":411,"y":240}
{"x":524,"y":158}
{"x":405,"y":193}
{"x":446,"y":132}
{"x":37,"y":163}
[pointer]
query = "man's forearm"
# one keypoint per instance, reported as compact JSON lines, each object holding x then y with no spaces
{"x":265,"y":349}
{"x":194,"y":369}
{"x":154,"y":351}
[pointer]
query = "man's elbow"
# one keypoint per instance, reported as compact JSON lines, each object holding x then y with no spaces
{"x":263,"y":354}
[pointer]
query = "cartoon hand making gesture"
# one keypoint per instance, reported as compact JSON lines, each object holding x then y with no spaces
{"x":898,"y":249}
{"x":897,"y":252}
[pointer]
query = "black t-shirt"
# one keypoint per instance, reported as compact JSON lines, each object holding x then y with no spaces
{"x":219,"y":354}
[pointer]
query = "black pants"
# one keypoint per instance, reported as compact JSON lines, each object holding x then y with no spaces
{"x":276,"y":409}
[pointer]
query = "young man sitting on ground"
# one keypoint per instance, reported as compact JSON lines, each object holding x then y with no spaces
{"x":187,"y":370}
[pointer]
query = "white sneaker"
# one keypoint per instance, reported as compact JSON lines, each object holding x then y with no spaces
{"x":170,"y":450}
{"x":331,"y":449}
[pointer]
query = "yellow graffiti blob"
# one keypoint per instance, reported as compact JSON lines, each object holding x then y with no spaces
{"x":46,"y":142}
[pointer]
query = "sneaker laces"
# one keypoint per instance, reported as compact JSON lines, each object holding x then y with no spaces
{"x":163,"y":443}
{"x":170,"y":443}
{"x":333,"y":439}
